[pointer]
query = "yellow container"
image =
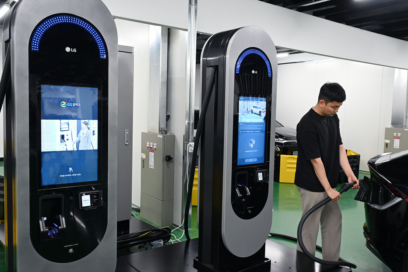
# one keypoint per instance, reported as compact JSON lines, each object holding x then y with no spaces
{"x":194,"y":198}
{"x":287,"y":168}
{"x":351,"y":153}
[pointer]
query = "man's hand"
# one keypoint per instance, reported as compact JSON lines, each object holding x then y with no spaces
{"x":333,"y":194}
{"x":352,"y":179}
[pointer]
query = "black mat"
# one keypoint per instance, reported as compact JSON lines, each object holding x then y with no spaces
{"x":179,"y":258}
{"x":123,"y":266}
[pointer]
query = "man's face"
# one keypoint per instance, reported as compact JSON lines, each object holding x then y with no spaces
{"x":330,"y":108}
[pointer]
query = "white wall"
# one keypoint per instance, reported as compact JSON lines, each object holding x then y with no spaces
{"x":288,"y":28}
{"x":137,"y":35}
{"x":363,"y":116}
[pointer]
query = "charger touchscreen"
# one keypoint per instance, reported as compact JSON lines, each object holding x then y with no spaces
{"x":251,"y":130}
{"x":69,"y":134}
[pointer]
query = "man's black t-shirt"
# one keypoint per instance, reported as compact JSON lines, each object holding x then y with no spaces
{"x":318,"y":137}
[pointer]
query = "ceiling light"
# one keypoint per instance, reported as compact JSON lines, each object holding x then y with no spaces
{"x":4,"y":10}
{"x":282,"y":55}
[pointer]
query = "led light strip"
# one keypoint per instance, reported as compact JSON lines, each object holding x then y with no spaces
{"x":253,"y":51}
{"x":39,"y":32}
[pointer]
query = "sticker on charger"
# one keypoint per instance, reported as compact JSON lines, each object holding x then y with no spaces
{"x":260,"y":177}
{"x":86,"y":201}
{"x":151,"y":159}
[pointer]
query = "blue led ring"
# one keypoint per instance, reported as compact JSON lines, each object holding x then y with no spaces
{"x":41,"y":29}
{"x":253,"y":51}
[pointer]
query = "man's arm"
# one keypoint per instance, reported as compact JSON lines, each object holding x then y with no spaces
{"x":321,"y":175}
{"x":345,"y":165}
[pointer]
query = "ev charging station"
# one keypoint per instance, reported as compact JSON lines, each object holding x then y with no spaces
{"x":239,"y":71}
{"x":59,"y":89}
{"x":60,"y":85}
{"x":237,"y":120}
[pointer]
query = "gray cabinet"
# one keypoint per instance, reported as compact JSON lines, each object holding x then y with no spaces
{"x":125,"y":129}
{"x":157,"y":178}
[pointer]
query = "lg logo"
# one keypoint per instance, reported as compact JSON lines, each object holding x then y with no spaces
{"x":68,"y":49}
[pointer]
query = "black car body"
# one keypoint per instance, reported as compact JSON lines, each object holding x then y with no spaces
{"x":386,"y":209}
{"x":285,"y":139}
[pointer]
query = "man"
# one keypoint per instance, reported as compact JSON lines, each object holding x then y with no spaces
{"x":321,"y":153}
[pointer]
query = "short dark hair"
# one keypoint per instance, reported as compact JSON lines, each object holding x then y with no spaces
{"x":332,"y":92}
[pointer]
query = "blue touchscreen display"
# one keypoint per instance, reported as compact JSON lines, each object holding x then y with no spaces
{"x":69,"y":134}
{"x":251,"y":130}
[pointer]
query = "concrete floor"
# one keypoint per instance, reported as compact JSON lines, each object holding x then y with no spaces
{"x":286,"y":216}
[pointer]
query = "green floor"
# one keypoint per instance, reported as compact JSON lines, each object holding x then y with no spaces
{"x":286,"y":216}
{"x":287,"y":211}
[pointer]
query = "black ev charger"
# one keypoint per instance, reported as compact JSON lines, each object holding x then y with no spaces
{"x":59,"y":70}
{"x":212,"y":76}
{"x":239,"y":69}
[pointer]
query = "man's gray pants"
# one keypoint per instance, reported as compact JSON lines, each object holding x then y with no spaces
{"x":330,"y":218}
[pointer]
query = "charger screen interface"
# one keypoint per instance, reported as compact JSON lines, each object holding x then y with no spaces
{"x":251,"y":130}
{"x":69,"y":135}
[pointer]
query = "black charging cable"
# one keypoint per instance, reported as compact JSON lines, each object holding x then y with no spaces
{"x":5,"y":77}
{"x":200,"y":126}
{"x":142,"y":237}
{"x":343,"y":189}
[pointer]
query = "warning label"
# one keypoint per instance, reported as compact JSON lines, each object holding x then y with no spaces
{"x":151,"y":159}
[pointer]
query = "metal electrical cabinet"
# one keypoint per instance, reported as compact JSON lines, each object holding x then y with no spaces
{"x":396,"y":139}
{"x":125,"y":128}
{"x":156,"y":204}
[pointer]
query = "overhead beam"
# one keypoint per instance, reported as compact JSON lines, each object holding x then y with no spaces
{"x":399,"y":24}
{"x":378,"y":18}
{"x":376,"y":10}
{"x":401,"y":34}
{"x":395,"y":34}
{"x":274,"y":2}
{"x":329,"y":11}
{"x":295,"y":3}
{"x":327,"y":4}
{"x":287,"y":28}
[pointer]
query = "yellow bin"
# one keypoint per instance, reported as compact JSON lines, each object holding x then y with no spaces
{"x":287,"y":168}
{"x":351,"y":153}
{"x":194,"y":198}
